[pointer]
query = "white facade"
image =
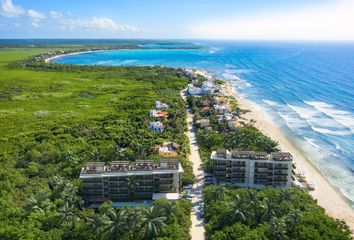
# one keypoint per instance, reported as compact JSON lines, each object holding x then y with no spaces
{"x":207,"y":87}
{"x":156,"y":126}
{"x":221,"y":109}
{"x":152,"y":113}
{"x":252,"y":169}
{"x":160,"y":105}
{"x":192,"y":90}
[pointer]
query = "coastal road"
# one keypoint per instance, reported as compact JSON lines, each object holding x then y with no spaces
{"x":197,"y":230}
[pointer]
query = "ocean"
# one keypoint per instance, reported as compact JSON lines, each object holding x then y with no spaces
{"x":306,"y":87}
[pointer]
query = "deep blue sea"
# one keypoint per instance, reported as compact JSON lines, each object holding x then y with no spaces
{"x":307,"y":88}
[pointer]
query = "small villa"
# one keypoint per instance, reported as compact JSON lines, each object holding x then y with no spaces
{"x":193,"y":90}
{"x":156,"y":126}
{"x":220,"y":100}
{"x":234,"y":124}
{"x":226,"y":116}
{"x":158,"y":114}
{"x":208,"y":87}
{"x":168,"y":149}
{"x":160,"y":105}
{"x":221,"y":109}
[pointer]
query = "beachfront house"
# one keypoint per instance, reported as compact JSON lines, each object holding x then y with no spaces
{"x":208,"y":87}
{"x":252,"y":169}
{"x":192,"y":90}
{"x":113,"y":181}
{"x":234,"y":124}
{"x":156,"y":126}
{"x":226,"y":117}
{"x":168,"y":149}
{"x":203,"y":122}
{"x":221,"y":109}
{"x":160,"y":105}
{"x":220,"y":100}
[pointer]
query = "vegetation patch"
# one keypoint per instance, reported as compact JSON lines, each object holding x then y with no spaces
{"x":52,"y":129}
{"x":268,"y":214}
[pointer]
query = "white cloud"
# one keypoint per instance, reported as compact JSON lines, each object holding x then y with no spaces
{"x":36,"y":25}
{"x":55,"y":14}
{"x":328,"y":22}
{"x":8,"y":9}
{"x":96,"y":23}
{"x":129,"y":28}
{"x":36,"y":16}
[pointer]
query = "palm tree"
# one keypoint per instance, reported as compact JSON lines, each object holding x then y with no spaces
{"x":238,"y":211}
{"x":218,"y":192}
{"x":233,"y":140}
{"x":39,"y":202}
{"x":152,"y":221}
{"x":68,"y":194}
{"x":117,"y":223}
{"x":254,"y":201}
{"x":56,"y":182}
{"x":278,"y":228}
{"x":134,"y":219}
{"x":269,"y":209}
{"x":285,"y":196}
{"x":96,"y":155}
{"x":132,"y":185}
{"x":140,"y":151}
{"x":96,"y":223}
{"x":293,"y":218}
{"x":67,"y":215}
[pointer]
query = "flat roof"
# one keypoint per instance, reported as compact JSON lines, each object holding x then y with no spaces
{"x":235,"y":154}
{"x":127,"y":166}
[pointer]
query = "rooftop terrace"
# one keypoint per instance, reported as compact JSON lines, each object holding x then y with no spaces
{"x":235,"y":154}
{"x":126,"y":166}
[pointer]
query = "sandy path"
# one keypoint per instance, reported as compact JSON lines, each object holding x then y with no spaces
{"x":197,"y":230}
{"x":327,"y":196}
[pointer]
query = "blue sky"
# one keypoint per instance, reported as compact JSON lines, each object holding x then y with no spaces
{"x":211,"y":19}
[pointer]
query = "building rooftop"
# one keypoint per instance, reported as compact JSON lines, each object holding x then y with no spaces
{"x":248,"y":154}
{"x":169,"y":147}
{"x":235,"y":154}
{"x":126,"y":166}
{"x":282,"y":156}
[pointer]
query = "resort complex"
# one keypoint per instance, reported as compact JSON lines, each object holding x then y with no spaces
{"x":252,"y":169}
{"x":131,"y":181}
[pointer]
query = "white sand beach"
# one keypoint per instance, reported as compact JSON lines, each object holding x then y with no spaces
{"x":327,"y":196}
{"x":69,"y":54}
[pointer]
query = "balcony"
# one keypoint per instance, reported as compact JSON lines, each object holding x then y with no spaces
{"x":220,"y":168}
{"x":263,"y":170}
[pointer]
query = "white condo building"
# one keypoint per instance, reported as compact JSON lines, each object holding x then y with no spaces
{"x":252,"y":169}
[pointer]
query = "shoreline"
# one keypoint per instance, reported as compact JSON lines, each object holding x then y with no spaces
{"x":327,"y":195}
{"x":47,"y":60}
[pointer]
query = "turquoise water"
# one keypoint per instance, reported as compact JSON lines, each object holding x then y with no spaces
{"x":307,"y":88}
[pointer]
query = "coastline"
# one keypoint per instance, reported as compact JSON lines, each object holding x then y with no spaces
{"x":327,"y":196}
{"x":70,"y":54}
